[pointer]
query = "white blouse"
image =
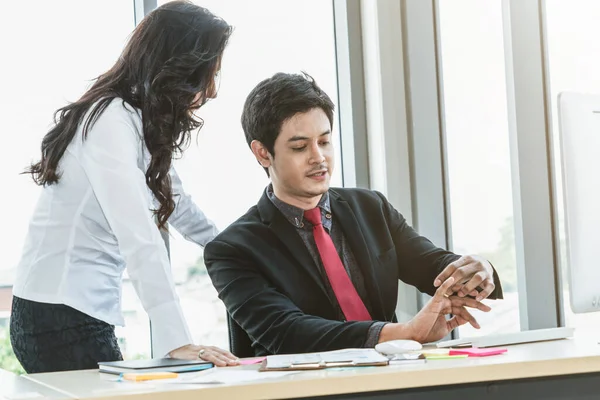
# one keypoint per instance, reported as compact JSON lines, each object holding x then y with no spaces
{"x":97,"y":220}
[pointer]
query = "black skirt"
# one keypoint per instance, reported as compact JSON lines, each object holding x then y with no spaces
{"x":55,"y":337}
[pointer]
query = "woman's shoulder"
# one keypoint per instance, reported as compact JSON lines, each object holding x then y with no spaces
{"x":109,"y":122}
{"x":119,"y":110}
{"x":114,"y":115}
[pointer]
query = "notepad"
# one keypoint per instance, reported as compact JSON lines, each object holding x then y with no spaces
{"x":478,"y":352}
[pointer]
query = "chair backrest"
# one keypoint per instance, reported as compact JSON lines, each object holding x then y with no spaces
{"x":239,"y":341}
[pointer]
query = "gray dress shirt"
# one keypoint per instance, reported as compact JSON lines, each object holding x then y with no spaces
{"x":304,"y":228}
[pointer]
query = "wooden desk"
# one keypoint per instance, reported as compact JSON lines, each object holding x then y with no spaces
{"x":557,"y":370}
{"x":16,"y":387}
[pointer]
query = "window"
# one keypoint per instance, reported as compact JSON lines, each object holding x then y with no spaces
{"x":218,"y":169}
{"x":573,"y":62}
{"x":477,"y":141}
{"x":54,"y":66}
{"x":50,"y":55}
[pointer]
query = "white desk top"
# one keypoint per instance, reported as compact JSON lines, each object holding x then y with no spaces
{"x":563,"y":357}
{"x":16,"y":387}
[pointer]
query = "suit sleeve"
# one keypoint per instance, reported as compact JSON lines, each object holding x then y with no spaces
{"x":268,"y":316}
{"x":419,"y":260}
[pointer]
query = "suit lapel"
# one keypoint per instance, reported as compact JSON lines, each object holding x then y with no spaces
{"x":353,"y":232}
{"x":288,"y":236}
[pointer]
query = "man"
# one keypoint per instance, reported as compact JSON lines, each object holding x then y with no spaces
{"x":311,"y":268}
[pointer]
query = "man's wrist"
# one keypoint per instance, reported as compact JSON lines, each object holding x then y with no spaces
{"x":396,"y":331}
{"x":374,"y":333}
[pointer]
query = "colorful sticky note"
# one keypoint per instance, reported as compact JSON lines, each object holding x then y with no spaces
{"x":147,"y":376}
{"x":435,"y":352}
{"x":248,"y":361}
{"x":445,"y":356}
{"x":477,"y":352}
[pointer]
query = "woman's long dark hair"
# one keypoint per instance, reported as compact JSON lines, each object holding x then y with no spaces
{"x":173,"y":55}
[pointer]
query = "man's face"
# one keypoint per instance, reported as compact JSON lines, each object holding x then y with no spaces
{"x":304,"y":158}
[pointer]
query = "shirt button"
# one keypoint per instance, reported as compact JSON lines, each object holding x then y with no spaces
{"x":301,"y":225}
{"x":328,"y":216}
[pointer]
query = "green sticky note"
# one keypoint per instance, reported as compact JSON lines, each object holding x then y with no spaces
{"x":446,"y":356}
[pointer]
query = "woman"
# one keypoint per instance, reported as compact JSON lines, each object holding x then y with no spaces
{"x":108,"y":188}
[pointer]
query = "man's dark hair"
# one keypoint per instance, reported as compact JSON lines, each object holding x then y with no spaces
{"x":277,"y":99}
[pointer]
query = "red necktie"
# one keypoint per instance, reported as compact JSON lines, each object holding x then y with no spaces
{"x":345,"y":292}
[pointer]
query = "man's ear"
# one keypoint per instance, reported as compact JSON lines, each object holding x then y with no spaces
{"x":261,"y":153}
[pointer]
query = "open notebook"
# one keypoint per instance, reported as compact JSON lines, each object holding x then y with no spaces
{"x":328,"y":359}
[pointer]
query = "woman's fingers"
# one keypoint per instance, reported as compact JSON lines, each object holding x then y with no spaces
{"x":217,"y":356}
{"x":226,"y":355}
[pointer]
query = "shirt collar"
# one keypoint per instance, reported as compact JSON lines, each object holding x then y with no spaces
{"x":295,"y":215}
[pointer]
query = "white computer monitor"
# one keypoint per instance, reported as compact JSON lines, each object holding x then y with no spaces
{"x":579,"y":136}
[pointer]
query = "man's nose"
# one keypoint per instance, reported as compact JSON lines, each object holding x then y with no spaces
{"x":317,"y":154}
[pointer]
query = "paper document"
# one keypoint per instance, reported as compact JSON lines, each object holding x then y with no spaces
{"x":350,"y":356}
{"x":227,"y":375}
{"x":23,"y":396}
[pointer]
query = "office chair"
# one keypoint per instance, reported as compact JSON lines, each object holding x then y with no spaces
{"x":239,"y":341}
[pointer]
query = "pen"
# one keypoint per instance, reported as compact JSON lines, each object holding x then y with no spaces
{"x":147,"y":376}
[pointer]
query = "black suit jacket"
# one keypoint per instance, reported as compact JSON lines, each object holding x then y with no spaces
{"x":272,"y":288}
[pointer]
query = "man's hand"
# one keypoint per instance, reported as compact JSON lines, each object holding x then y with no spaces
{"x":469,"y":273}
{"x":430,"y":323}
{"x":217,"y":356}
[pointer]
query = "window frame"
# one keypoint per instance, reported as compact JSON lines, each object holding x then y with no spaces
{"x":530,"y":136}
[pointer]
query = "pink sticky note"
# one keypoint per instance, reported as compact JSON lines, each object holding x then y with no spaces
{"x":248,"y":361}
{"x":476,"y":352}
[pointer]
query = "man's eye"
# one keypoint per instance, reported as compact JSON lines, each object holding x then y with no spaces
{"x":298,"y":148}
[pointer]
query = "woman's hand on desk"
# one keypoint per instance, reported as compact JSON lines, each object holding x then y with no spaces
{"x":215,"y":355}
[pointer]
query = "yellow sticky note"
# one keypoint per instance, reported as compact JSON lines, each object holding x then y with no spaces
{"x":435,"y":352}
{"x":147,"y":376}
